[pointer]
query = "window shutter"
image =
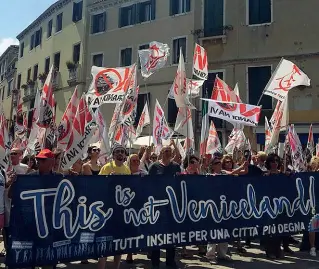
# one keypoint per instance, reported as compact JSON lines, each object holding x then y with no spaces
{"x":254,"y":11}
{"x":153,"y":9}
{"x":172,"y":110}
{"x":80,"y":8}
{"x":103,"y":22}
{"x":134,"y":15}
{"x":40,"y":37}
{"x":265,"y":11}
{"x":139,"y":12}
{"x":171,"y":7}
{"x":120,"y":17}
{"x":188,"y":5}
{"x":74,"y":12}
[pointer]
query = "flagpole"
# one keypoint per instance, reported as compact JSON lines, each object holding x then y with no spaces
{"x":148,"y":104}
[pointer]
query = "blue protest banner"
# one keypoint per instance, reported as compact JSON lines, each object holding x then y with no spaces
{"x":58,"y":220}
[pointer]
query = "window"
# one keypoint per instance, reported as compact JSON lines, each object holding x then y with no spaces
{"x":258,"y":78}
{"x":98,"y":23}
{"x":3,"y":89}
{"x":208,"y":87}
{"x":127,"y":16}
{"x":49,"y":31}
{"x":172,"y":111}
{"x":9,"y":87}
{"x":35,"y":72}
{"x":76,"y":53}
{"x":97,"y":60}
{"x":126,"y":57}
{"x":21,"y":49}
{"x":177,"y":44}
{"x":179,"y":6}
{"x":47,"y":65}
{"x":57,"y":61}
{"x":32,"y":42}
{"x":29,"y":74}
{"x":259,"y":11}
{"x":38,"y":37}
{"x":58,"y":26}
{"x":142,"y":47}
{"x":19,"y":82}
{"x":142,"y":99}
{"x":77,"y":11}
{"x":146,"y":11}
{"x":213,"y":18}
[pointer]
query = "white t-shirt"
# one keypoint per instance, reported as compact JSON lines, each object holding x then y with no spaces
{"x":20,"y":169}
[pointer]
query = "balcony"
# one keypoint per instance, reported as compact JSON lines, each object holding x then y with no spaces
{"x":9,"y":73}
{"x":29,"y":92}
{"x":73,"y":76}
{"x":56,"y":80}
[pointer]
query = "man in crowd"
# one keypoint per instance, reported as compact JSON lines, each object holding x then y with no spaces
{"x":115,"y":167}
{"x":18,"y":167}
{"x":46,"y":162}
{"x":164,"y":166}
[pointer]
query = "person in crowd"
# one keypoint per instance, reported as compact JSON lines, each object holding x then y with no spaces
{"x":92,"y":167}
{"x":261,"y":159}
{"x":115,"y":167}
{"x":273,"y":243}
{"x":46,"y":160}
{"x":191,"y":165}
{"x":165,"y":166}
{"x":18,"y":167}
{"x":30,"y":162}
{"x":58,"y":155}
{"x":215,"y":169}
{"x":204,"y":163}
{"x":153,"y":157}
{"x":146,"y":160}
{"x":134,"y":164}
{"x":76,"y":168}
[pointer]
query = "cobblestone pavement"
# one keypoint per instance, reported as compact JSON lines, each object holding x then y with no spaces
{"x":253,"y":259}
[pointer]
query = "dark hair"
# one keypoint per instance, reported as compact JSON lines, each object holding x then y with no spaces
{"x":29,"y":158}
{"x":272,"y":157}
{"x":190,"y":157}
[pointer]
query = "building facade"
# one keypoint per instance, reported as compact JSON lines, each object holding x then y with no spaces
{"x":8,"y":62}
{"x":246,"y":39}
{"x":57,"y":37}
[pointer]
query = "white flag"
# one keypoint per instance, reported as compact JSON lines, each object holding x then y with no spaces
{"x":180,"y":85}
{"x":236,"y":139}
{"x":200,"y":63}
{"x":184,"y":124}
{"x":213,"y":142}
{"x":298,"y":162}
{"x":311,"y":143}
{"x":144,"y":120}
{"x":193,"y":88}
{"x":154,"y":58}
{"x":267,"y":134}
{"x":109,"y":85}
{"x":286,"y":76}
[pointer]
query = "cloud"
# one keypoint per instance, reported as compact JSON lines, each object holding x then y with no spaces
{"x":6,"y":42}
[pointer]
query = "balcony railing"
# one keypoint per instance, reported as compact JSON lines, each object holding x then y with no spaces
{"x":29,"y":93}
{"x":56,"y":80}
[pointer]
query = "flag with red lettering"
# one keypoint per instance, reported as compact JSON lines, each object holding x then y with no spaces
{"x":144,"y":120}
{"x":37,"y":133}
{"x":180,"y":85}
{"x":236,"y":91}
{"x":161,"y":131}
{"x":65,"y":126}
{"x":222,"y":92}
{"x":311,"y":143}
{"x":236,"y":140}
{"x":19,"y":126}
{"x":272,"y":120}
{"x":114,"y":125}
{"x":46,"y":106}
{"x":286,"y":76}
{"x":184,"y":125}
{"x":153,"y":58}
{"x":83,"y":128}
{"x":298,"y":161}
{"x":281,"y":121}
{"x":200,"y":63}
{"x":267,"y":134}
{"x":213,"y":142}
{"x":109,"y":85}
{"x":102,"y":132}
{"x":193,"y":88}
{"x":240,"y":113}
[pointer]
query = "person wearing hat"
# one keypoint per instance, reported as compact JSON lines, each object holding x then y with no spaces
{"x":115,"y":167}
{"x":46,"y":162}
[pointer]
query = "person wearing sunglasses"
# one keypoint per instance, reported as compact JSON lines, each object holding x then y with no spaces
{"x":92,"y":167}
{"x":165,"y":166}
{"x":215,"y":169}
{"x":115,"y":167}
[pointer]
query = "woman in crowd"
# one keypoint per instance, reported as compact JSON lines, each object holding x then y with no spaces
{"x":30,"y":162}
{"x":215,"y":168}
{"x":92,"y":167}
{"x":273,"y":243}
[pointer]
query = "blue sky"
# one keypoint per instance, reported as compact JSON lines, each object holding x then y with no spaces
{"x":16,"y":15}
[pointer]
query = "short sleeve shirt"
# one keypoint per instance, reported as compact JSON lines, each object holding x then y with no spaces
{"x":118,"y":170}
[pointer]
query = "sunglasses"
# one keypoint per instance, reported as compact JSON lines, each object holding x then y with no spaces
{"x":228,"y":161}
{"x":135,"y":161}
{"x":122,"y":151}
{"x":216,"y":163}
{"x":14,"y":153}
{"x":193,"y":162}
{"x":96,"y":150}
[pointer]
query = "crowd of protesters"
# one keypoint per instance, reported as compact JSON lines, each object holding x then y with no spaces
{"x":168,"y":162}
